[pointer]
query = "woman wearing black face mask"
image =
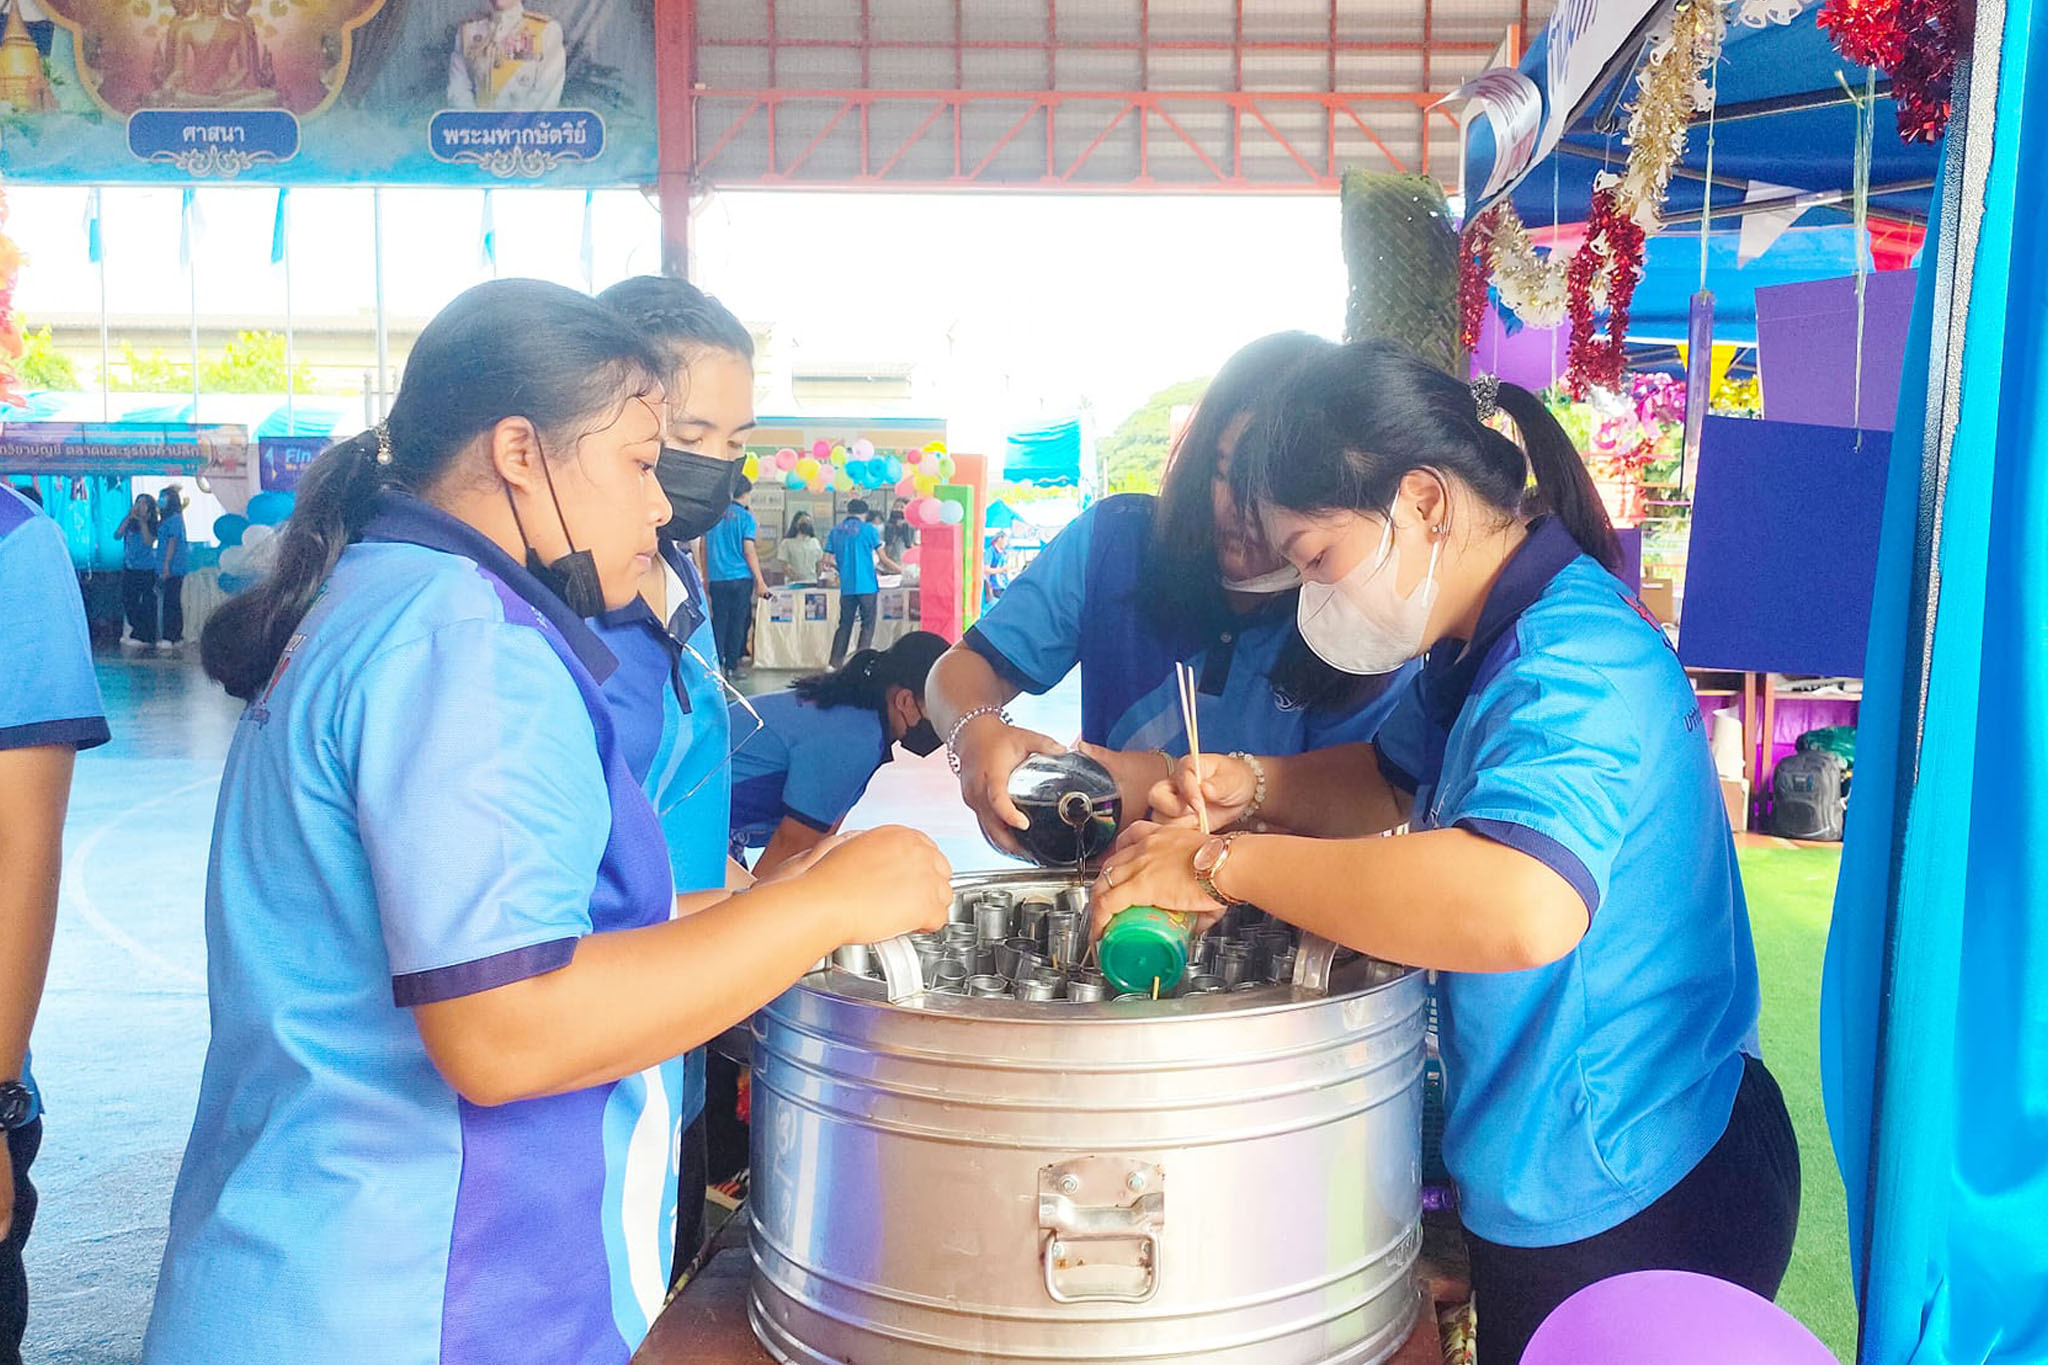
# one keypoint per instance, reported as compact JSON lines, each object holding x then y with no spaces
{"x":822,"y":741}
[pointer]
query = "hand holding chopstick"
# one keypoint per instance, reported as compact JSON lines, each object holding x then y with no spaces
{"x":1185,"y":676}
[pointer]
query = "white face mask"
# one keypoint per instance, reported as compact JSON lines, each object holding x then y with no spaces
{"x":1272,"y":581}
{"x":1361,"y":624}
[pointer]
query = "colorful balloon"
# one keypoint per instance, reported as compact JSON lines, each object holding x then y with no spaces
{"x":936,"y":447}
{"x":228,"y":528}
{"x":952,"y":513}
{"x":946,"y":466}
{"x":821,"y":448}
{"x":751,"y":466}
{"x":863,"y":449}
{"x":270,"y":507}
{"x":785,"y":459}
{"x":838,"y":454}
{"x":258,"y":535}
{"x":1673,"y":1317}
{"x":792,"y":481}
{"x":906,"y":487}
{"x":807,"y":467}
{"x":893,"y":469}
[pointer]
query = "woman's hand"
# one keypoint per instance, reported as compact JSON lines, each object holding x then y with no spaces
{"x":1225,"y":785}
{"x":1136,"y":772}
{"x":888,"y":881}
{"x":1153,"y":865}
{"x":989,"y":750}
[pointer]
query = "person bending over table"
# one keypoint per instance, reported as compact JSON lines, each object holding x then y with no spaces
{"x":1135,"y":584}
{"x":1571,"y":874}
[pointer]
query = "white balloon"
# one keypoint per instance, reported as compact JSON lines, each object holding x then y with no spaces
{"x":257,"y":534}
{"x":234,"y":560}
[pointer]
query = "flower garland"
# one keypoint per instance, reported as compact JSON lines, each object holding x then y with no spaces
{"x":1604,"y":271}
{"x":12,"y":347}
{"x":1915,"y":42}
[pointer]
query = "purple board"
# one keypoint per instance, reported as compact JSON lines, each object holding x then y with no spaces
{"x":1806,"y":349}
{"x":1784,"y":548}
{"x":1631,"y":538}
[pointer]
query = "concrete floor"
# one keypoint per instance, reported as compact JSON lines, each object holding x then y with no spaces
{"x":122,"y":1033}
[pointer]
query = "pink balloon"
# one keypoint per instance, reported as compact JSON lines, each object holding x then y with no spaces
{"x":785,"y":459}
{"x":907,"y":489}
{"x":1672,"y":1317}
{"x":913,"y":555}
{"x":822,"y":448}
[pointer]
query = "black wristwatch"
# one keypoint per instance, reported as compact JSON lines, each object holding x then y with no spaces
{"x":16,"y":1104}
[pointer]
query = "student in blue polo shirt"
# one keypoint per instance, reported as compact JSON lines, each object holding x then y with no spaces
{"x":173,"y":562}
{"x":1134,"y":585}
{"x":666,"y":696}
{"x":49,"y":711}
{"x":733,"y":566}
{"x":449,"y":988}
{"x":1571,"y":873}
{"x":138,"y":570}
{"x":822,"y":741}
{"x":855,"y":547}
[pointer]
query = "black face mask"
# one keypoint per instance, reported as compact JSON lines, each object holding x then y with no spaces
{"x":699,"y":489}
{"x":573,"y":577}
{"x":922,"y":738}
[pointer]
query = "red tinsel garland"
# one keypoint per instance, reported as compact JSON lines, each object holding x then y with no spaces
{"x":1475,"y":270}
{"x":1615,"y":240}
{"x":1915,"y":42}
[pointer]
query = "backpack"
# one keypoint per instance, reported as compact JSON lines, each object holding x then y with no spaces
{"x":1810,"y":796}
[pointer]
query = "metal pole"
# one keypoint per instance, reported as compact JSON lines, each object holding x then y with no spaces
{"x":192,"y":290}
{"x":675,"y":68}
{"x":377,"y":264}
{"x":106,"y":342}
{"x":291,"y":412}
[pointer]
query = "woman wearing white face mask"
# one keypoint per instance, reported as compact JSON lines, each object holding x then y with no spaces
{"x":1571,"y":871}
{"x":1133,"y":586}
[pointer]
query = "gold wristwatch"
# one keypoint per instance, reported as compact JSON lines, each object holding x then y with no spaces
{"x":1209,"y":860}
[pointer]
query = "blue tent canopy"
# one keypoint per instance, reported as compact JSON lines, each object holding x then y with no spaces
{"x":1047,"y":455}
{"x":1781,"y":118}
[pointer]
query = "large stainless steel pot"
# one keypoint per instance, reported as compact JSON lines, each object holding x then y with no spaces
{"x":1225,"y":1178}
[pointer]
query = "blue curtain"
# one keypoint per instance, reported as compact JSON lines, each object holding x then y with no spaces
{"x":1936,"y":1070}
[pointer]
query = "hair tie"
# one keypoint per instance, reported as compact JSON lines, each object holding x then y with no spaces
{"x":1486,"y":394}
{"x":383,"y":443}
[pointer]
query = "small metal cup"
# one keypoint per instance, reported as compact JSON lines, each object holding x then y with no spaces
{"x":1134,"y":995}
{"x":1052,"y":977}
{"x":1028,"y":962}
{"x":853,"y":957}
{"x":1076,"y":900}
{"x":1233,"y":964}
{"x":1203,"y":959}
{"x":984,"y":955}
{"x":1282,"y":970}
{"x":1034,"y":988}
{"x":1063,"y":937}
{"x":929,"y":956}
{"x":1087,"y":986}
{"x":1031,"y":917}
{"x":950,"y":978}
{"x":1205,"y":985}
{"x":960,"y":933}
{"x":1009,"y":951}
{"x":991,"y":921}
{"x":987,"y":987}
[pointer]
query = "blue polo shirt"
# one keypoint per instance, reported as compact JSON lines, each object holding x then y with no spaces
{"x":173,"y":547}
{"x":810,"y":763}
{"x":48,"y":694}
{"x":1579,"y":1093}
{"x":725,"y":545}
{"x":669,"y":710}
{"x":428,"y":799}
{"x":138,"y":551}
{"x":852,"y":545}
{"x":1079,"y":602}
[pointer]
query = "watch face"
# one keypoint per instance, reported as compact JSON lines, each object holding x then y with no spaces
{"x":1207,"y":854}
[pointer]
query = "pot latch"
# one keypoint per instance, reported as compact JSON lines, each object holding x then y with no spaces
{"x":1100,"y":1217}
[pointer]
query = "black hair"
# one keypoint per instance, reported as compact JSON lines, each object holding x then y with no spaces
{"x":896,"y":514}
{"x":146,"y":522}
{"x":865,"y":679}
{"x":856,"y":507}
{"x":507,"y":348}
{"x":1345,"y":428}
{"x":674,"y":312}
{"x":171,"y":503}
{"x":802,"y":519}
{"x":1183,"y":590}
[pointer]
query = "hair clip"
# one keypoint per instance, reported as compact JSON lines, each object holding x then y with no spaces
{"x":1486,"y":393}
{"x":383,"y":443}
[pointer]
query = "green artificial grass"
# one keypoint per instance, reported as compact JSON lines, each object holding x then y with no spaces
{"x":1791,"y":895}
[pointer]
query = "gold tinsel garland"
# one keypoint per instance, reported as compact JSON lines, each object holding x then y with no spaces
{"x":1669,"y":92}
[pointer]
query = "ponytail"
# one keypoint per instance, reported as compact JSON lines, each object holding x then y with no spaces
{"x":1563,"y":484}
{"x":246,"y":635}
{"x":865,"y":679}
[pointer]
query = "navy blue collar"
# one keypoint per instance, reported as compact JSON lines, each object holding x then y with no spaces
{"x":1453,"y":665}
{"x":403,"y":519}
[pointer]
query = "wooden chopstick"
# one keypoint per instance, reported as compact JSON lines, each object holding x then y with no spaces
{"x":1188,"y":696}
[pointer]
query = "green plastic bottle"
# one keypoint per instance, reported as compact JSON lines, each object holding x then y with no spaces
{"x":1143,"y":945}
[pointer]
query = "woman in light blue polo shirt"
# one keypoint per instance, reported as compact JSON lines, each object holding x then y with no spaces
{"x":450,"y":994}
{"x":822,"y":741}
{"x":1134,"y":585}
{"x":139,"y":571}
{"x":173,"y":562}
{"x":1571,"y":873}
